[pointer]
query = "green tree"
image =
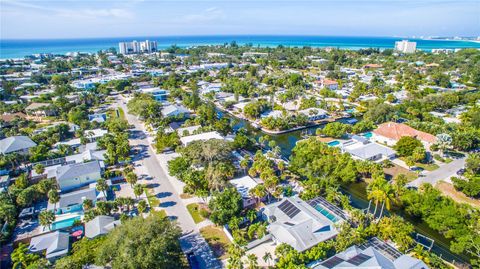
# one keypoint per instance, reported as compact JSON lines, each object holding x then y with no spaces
{"x":39,"y":169}
{"x":102,"y":186}
{"x":152,"y":242}
{"x":46,"y":218}
{"x":53,"y":198}
{"x":406,"y":145}
{"x":225,"y":205}
{"x":22,"y":258}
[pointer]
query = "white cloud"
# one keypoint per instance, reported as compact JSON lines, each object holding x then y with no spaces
{"x":207,"y":15}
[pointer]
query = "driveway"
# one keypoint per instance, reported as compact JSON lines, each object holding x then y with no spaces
{"x":148,"y":167}
{"x":443,"y":172}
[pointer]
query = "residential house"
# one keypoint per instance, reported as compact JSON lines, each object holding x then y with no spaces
{"x":244,"y":185}
{"x":95,"y":134}
{"x":175,"y":111}
{"x":73,"y":201}
{"x":55,"y":245}
{"x":328,"y":84}
{"x":7,"y":119}
{"x":390,"y":132}
{"x":297,"y":223}
{"x":39,"y":110}
{"x":100,"y":225}
{"x":98,"y":117}
{"x":201,"y":137}
{"x":16,"y":144}
{"x":314,"y":114}
{"x":372,"y":254}
{"x":189,"y":130}
{"x":158,"y":94}
{"x":73,"y":176}
{"x":361,"y":148}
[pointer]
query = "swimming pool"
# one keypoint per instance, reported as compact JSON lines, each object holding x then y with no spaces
{"x":367,"y":135}
{"x":326,"y":213}
{"x":64,"y":223}
{"x":333,"y":143}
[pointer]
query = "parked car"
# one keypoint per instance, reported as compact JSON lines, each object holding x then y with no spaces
{"x":461,"y":172}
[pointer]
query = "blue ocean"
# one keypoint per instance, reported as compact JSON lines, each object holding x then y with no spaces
{"x":20,"y":48}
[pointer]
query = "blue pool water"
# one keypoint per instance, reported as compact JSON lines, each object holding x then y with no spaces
{"x":367,"y":135}
{"x":333,"y":143}
{"x":64,"y":223}
{"x":326,"y":213}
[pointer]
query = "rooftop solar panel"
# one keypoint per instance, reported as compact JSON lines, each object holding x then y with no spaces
{"x":387,"y":250}
{"x":359,"y":259}
{"x":289,"y":209}
{"x":332,"y":262}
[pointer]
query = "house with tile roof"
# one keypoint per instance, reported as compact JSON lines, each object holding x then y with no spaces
{"x":390,"y":132}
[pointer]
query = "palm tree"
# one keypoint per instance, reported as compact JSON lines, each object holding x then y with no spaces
{"x":131,"y":178}
{"x":87,"y":204}
{"x":244,"y":164}
{"x":444,"y":141}
{"x":46,"y":218}
{"x":267,"y":257}
{"x":53,"y":198}
{"x":138,"y":190}
{"x":252,"y":261}
{"x":102,"y":186}
{"x":258,"y":192}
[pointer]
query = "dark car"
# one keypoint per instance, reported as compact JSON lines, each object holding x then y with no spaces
{"x":461,"y":172}
{"x":192,"y":260}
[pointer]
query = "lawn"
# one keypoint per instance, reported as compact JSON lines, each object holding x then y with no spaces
{"x":117,"y":113}
{"x":217,"y":240}
{"x":194,"y":210}
{"x":427,"y":166}
{"x":152,"y":199}
{"x":396,"y":170}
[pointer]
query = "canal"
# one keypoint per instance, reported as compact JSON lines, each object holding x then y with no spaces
{"x":356,"y":191}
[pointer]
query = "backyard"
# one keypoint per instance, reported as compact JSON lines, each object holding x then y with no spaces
{"x":217,"y":240}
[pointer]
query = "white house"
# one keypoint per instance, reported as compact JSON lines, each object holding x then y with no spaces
{"x":16,"y":144}
{"x":174,"y":111}
{"x":201,"y":137}
{"x":55,"y":245}
{"x":299,"y":224}
{"x":361,"y":148}
{"x":244,"y":185}
{"x":314,"y":114}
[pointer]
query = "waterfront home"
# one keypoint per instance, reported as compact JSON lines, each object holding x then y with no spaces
{"x":314,"y":114}
{"x":54,"y":245}
{"x":16,"y":144}
{"x":175,"y":111}
{"x":390,"y":132}
{"x":74,"y":176}
{"x":201,"y":137}
{"x":375,"y":253}
{"x":297,"y":223}
{"x":244,"y":185}
{"x":100,"y":225}
{"x":273,"y":114}
{"x":73,"y":201}
{"x":361,"y":148}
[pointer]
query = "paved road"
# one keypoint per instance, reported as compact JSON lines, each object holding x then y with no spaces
{"x":444,"y":172}
{"x":170,"y":201}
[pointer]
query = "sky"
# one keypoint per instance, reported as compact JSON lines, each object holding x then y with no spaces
{"x":33,"y":19}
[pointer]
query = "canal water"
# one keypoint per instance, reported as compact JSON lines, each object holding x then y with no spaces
{"x":356,"y":191}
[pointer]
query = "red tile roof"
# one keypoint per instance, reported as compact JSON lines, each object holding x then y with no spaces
{"x":395,"y":131}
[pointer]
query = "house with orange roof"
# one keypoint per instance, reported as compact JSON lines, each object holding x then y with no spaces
{"x":390,"y":132}
{"x":372,"y":66}
{"x":327,"y":83}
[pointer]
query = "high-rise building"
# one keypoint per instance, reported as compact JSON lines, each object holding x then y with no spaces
{"x":406,"y":46}
{"x":137,"y":47}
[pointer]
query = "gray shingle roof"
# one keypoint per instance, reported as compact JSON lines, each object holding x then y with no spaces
{"x":77,"y":170}
{"x":54,"y":244}
{"x":15,"y":143}
{"x":100,"y":225}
